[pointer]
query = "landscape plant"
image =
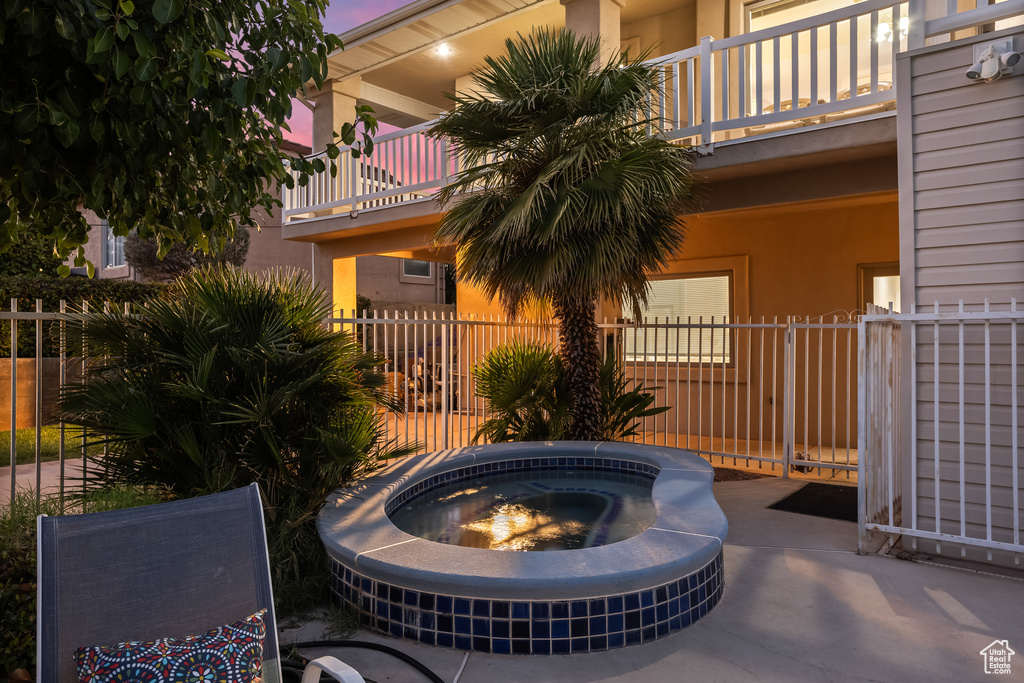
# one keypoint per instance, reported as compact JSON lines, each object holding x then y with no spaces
{"x":233,"y":379}
{"x":569,"y":194}
{"x":528,"y":397}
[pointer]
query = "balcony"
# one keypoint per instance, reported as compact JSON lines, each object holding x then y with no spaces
{"x":829,"y":70}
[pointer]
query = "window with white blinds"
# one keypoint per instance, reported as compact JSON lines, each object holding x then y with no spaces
{"x":415,"y":268}
{"x":113,"y":247}
{"x":704,"y":299}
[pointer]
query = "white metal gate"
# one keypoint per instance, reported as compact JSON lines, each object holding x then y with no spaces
{"x":956,"y":387}
{"x":773,"y":395}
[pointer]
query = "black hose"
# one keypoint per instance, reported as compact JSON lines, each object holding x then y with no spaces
{"x":416,"y":664}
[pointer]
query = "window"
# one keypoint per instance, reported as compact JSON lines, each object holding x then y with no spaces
{"x":880,"y":285}
{"x":113,"y":247}
{"x":415,"y":268}
{"x":703,"y":298}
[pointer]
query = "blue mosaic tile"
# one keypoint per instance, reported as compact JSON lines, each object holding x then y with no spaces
{"x":616,"y":623}
{"x":560,"y":628}
{"x":520,"y":629}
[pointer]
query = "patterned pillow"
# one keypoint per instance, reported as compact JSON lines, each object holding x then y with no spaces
{"x":229,"y":654}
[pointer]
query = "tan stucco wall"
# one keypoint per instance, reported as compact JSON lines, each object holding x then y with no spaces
{"x":379,"y":278}
{"x":665,"y":33}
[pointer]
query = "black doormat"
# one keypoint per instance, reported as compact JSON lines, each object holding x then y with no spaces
{"x":821,"y":500}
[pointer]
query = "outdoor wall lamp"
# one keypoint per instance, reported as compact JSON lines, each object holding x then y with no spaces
{"x":993,"y":61}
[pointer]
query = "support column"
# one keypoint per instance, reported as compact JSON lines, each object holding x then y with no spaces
{"x":464,"y":84}
{"x":335,"y":105}
{"x":336,"y":276}
{"x":596,"y":19}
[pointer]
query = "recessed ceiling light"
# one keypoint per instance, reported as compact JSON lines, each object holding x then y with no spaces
{"x":444,"y":49}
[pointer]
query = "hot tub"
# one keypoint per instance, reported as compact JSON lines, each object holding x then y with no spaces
{"x":559,"y":602}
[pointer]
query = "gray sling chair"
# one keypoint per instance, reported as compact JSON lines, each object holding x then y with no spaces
{"x":160,"y":571}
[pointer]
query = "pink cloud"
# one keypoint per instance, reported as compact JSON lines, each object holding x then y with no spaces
{"x":341,"y":16}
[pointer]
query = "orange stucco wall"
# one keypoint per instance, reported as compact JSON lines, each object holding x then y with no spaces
{"x":802,"y":259}
{"x":787,"y":260}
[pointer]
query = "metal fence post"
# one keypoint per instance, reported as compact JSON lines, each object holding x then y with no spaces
{"x":14,"y":399}
{"x":445,"y":417}
{"x":789,"y":396}
{"x":862,"y":397}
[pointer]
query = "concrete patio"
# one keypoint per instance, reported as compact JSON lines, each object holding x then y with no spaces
{"x":799,"y":605}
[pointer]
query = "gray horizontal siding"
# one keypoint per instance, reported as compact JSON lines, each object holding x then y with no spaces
{"x":966,"y":155}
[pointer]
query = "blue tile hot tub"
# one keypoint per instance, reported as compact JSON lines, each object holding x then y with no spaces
{"x":568,"y":601}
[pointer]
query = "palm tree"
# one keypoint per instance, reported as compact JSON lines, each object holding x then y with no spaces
{"x":569,"y":195}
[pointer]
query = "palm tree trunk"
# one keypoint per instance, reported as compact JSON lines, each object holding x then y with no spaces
{"x":582,"y":360}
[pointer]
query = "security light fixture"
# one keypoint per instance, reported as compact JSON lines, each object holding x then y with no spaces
{"x":993,"y":61}
{"x":887,"y":32}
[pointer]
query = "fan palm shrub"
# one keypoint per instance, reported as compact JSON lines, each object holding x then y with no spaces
{"x":527,"y":394}
{"x":569,"y":194}
{"x":233,"y":379}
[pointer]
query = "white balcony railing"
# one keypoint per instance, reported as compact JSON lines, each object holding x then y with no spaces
{"x":830,"y":68}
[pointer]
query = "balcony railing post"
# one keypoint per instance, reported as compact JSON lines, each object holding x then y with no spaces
{"x":916,"y":25}
{"x":353,"y":174}
{"x":707,"y":82}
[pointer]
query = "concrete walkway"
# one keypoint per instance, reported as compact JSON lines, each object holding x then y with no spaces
{"x":799,"y":605}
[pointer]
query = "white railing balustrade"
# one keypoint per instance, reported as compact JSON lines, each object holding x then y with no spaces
{"x":827,"y":69}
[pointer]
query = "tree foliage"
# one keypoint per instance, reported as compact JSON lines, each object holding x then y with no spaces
{"x":164,"y":114}
{"x":180,"y":259}
{"x":569,"y":193}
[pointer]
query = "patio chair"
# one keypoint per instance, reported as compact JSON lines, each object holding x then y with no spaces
{"x":161,"y":571}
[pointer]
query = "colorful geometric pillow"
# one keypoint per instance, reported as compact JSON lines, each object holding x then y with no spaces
{"x":229,"y":654}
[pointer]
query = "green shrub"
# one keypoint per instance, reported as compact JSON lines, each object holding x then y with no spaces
{"x":527,"y":393}
{"x":32,"y":254}
{"x":233,"y":379}
{"x":74,"y":290}
{"x":18,"y":567}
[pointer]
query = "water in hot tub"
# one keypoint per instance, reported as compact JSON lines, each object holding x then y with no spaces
{"x":537,"y":510}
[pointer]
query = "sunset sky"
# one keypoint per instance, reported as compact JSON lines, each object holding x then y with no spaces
{"x":341,"y":16}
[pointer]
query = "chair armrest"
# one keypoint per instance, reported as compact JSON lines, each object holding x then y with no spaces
{"x":338,"y":670}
